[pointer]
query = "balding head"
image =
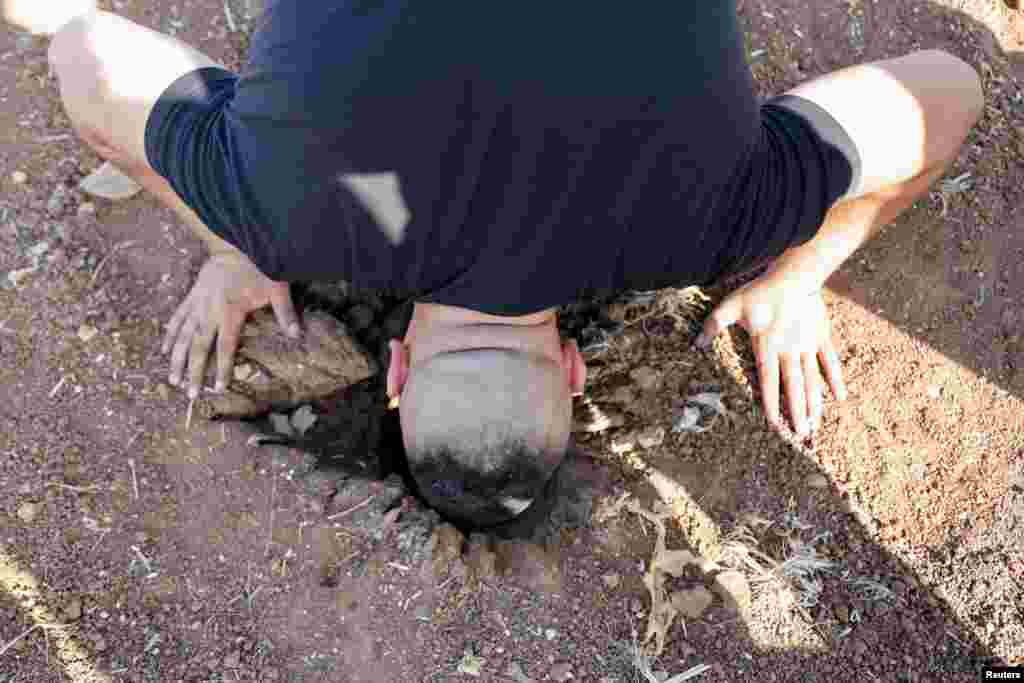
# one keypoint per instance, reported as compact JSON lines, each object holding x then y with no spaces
{"x":484,"y":429}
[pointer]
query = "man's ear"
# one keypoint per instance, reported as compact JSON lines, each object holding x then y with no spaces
{"x":398,"y":369}
{"x":575,"y":367}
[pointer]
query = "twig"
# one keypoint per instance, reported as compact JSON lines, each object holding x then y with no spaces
{"x":410,"y":599}
{"x":99,"y":540}
{"x":230,"y":17}
{"x":352,"y":509}
{"x":142,"y":558}
{"x":56,"y":388}
{"x":399,"y":567}
{"x":135,"y":482}
{"x":270,"y":531}
{"x":117,"y":248}
{"x":188,"y":417}
{"x":9,"y":645}
{"x":69,"y":487}
{"x":53,"y":138}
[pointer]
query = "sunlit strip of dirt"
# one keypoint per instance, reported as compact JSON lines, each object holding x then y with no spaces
{"x":26,"y":591}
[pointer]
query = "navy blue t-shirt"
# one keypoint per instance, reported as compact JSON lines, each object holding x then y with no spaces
{"x":504,"y":157}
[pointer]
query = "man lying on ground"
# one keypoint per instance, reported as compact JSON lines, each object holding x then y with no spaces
{"x":495,"y":161}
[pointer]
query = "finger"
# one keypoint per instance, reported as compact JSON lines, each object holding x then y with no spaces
{"x":174,"y":325}
{"x":198,"y":354}
{"x":833,"y":370}
{"x":768,"y":374}
{"x":793,"y":377}
{"x":227,"y":344}
{"x":724,"y":316}
{"x":179,"y":353}
{"x":284,"y":309}
{"x":812,"y":389}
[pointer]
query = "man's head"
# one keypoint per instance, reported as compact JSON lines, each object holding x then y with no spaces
{"x":486,"y":408}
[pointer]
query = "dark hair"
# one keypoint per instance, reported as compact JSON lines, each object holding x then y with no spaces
{"x":482,"y":488}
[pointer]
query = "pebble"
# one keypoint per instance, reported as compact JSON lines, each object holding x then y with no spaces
{"x":651,"y":437}
{"x":516,"y":673}
{"x":55,"y":205}
{"x":918,"y":471}
{"x":817,"y":481}
{"x":38,"y":250}
{"x":611,"y":580}
{"x":561,"y":672}
{"x":242,"y":372}
{"x":72,"y":610}
{"x":17,"y":277}
{"x":470,"y":664}
{"x":87,"y":332}
{"x":303,"y":419}
{"x":646,"y":378}
{"x":109,"y":182}
{"x":19,"y":177}
{"x":27,"y":512}
{"x":550,"y":633}
{"x":280,"y":424}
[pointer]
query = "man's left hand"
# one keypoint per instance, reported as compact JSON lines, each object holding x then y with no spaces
{"x":789,"y":327}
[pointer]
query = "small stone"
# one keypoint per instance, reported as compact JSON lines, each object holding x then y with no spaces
{"x":242,"y":372}
{"x":163,"y":391}
{"x":19,"y":177}
{"x":592,"y":418}
{"x":109,"y":182}
{"x":842,"y":613}
{"x":38,"y":250}
{"x":72,"y":610}
{"x":918,"y":471}
{"x":611,"y":580}
{"x":622,"y":444}
{"x":280,"y":424}
{"x":17,"y":277}
{"x":86,"y":209}
{"x":516,"y":673}
{"x":934,"y":391}
{"x":59,"y":198}
{"x":561,"y":672}
{"x":646,"y":378}
{"x":27,"y":512}
{"x":817,"y":481}
{"x":550,"y":633}
{"x":651,"y":437}
{"x":470,"y":664}
{"x":303,"y":419}
{"x":87,"y":332}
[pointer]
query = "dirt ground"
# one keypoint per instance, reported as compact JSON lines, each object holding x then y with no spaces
{"x":139,"y":545}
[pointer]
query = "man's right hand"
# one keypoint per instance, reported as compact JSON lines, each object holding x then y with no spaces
{"x":229,"y":287}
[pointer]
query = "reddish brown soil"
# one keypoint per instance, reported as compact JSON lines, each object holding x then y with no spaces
{"x":918,"y":477}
